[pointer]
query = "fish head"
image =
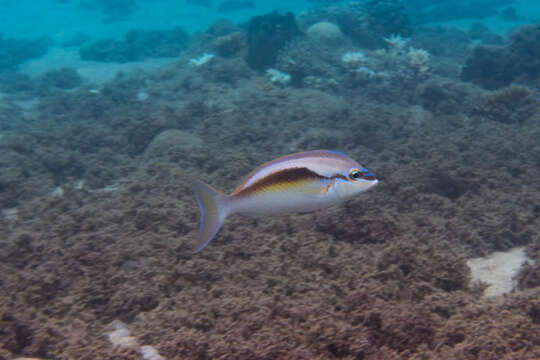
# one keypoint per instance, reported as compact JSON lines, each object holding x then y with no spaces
{"x":353,"y":181}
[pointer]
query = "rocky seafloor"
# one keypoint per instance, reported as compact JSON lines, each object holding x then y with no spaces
{"x":98,"y":221}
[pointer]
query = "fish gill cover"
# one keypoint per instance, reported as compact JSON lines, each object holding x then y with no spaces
{"x":107,"y":108}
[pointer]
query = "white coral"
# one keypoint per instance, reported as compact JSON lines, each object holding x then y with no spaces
{"x":325,"y":31}
{"x":278,"y":77}
{"x":419,"y":60}
{"x":201,"y":60}
{"x":353,"y":59}
{"x":121,"y":337}
{"x":365,"y":72}
{"x":397,"y":44}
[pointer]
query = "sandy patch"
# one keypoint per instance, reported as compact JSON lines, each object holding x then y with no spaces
{"x":90,"y":71}
{"x":498,"y":269}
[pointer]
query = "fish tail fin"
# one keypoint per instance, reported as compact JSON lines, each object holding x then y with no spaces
{"x":214,"y":211}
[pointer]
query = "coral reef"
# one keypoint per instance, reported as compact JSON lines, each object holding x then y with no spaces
{"x":456,"y":42}
{"x":97,"y":220}
{"x":325,"y":31}
{"x":494,"y":67}
{"x":201,"y":60}
{"x":352,"y":22}
{"x":387,"y":17}
{"x":381,"y":276}
{"x":305,"y":57}
{"x":529,"y":276}
{"x":278,"y":77}
{"x":490,"y":67}
{"x":230,"y":44}
{"x":353,"y":59}
{"x":525,"y":50}
{"x":510,"y":105}
{"x":419,"y":60}
{"x":65,"y":78}
{"x":266,"y":36}
{"x":13,"y":52}
{"x":11,"y":83}
{"x":137,"y":45}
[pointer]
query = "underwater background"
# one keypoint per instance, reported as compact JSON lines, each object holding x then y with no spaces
{"x":107,"y":106}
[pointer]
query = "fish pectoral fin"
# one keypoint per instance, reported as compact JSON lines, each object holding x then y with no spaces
{"x":327,"y":188}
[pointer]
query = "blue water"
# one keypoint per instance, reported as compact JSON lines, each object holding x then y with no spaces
{"x":27,"y":18}
{"x":61,"y":20}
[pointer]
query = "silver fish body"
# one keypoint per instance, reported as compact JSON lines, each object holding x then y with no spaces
{"x":300,"y":182}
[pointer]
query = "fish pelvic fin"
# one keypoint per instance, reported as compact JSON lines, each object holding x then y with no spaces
{"x":214,"y":210}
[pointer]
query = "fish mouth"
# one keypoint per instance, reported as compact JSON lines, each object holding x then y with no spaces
{"x":373,"y":183}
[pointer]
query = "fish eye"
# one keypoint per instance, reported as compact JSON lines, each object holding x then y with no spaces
{"x":355,"y":174}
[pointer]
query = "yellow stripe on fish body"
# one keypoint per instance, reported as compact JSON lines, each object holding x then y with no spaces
{"x":298,"y":182}
{"x":290,"y":179}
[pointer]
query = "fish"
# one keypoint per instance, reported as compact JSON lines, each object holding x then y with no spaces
{"x":297,"y":183}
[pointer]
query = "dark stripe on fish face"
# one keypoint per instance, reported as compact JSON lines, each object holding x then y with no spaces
{"x":283,"y":177}
{"x":342,"y":177}
{"x":366,"y":174}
